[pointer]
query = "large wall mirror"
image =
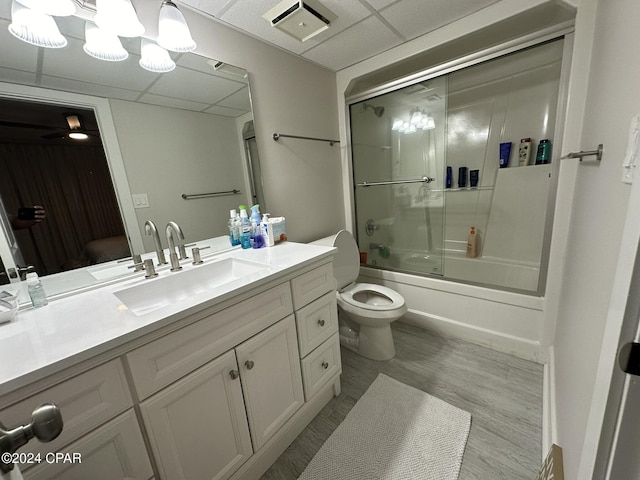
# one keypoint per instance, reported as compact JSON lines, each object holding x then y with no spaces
{"x":160,"y":138}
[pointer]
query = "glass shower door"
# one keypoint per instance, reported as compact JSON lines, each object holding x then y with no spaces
{"x":398,"y":149}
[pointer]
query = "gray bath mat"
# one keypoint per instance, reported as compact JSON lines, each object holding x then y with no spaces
{"x":394,"y":432}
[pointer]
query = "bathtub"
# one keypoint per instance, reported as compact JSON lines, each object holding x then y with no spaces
{"x":456,"y":265}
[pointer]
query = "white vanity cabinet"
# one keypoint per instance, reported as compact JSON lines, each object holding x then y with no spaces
{"x":198,"y":427}
{"x":271,"y":379}
{"x":218,"y":393}
{"x":317,"y":328}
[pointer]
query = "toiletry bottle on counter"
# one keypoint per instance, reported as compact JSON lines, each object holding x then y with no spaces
{"x":472,"y":243}
{"x":245,"y":228}
{"x":36,"y":290}
{"x":524,"y":151}
{"x":234,"y":228}
{"x":266,"y":230}
{"x":257,"y":239}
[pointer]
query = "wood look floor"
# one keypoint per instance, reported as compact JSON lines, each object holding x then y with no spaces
{"x":502,"y":393}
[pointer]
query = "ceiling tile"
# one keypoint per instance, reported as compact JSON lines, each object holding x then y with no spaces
{"x":379,"y":4}
{"x":193,"y":86}
{"x":363,"y":40}
{"x":413,"y":18}
{"x":238,"y":100}
{"x":172,"y":102}
{"x":213,"y":7}
{"x":224,"y":111}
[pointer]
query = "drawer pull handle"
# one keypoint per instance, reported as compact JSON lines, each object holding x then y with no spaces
{"x":321,"y":322}
{"x":234,"y":374}
{"x":325,"y":365}
{"x":249,"y":364}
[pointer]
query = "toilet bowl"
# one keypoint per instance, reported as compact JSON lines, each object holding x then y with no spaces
{"x":372,"y":307}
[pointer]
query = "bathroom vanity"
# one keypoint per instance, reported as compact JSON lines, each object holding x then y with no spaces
{"x":206,"y":373}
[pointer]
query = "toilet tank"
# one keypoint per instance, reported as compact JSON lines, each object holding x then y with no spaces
{"x":346,"y":260}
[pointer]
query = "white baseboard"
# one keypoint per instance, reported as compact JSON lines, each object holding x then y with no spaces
{"x":516,"y":346}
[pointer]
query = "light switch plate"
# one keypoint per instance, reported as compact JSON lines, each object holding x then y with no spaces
{"x":140,"y":200}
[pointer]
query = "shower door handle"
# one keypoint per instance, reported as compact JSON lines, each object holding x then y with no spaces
{"x":424,"y":179}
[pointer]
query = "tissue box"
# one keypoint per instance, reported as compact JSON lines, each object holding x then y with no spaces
{"x":273,"y":231}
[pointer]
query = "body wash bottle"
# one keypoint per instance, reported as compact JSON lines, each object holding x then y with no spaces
{"x":472,"y":244}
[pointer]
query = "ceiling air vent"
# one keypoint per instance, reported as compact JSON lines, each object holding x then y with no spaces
{"x":302,"y":19}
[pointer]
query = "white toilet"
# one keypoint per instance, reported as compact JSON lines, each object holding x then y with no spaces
{"x":372,"y":307}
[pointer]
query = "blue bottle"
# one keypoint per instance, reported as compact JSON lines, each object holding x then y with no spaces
{"x":245,"y":228}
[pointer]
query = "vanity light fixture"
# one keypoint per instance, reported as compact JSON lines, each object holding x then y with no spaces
{"x":173,"y":31}
{"x":35,"y":27}
{"x":154,"y":58}
{"x":102,"y":44}
{"x":58,"y":8}
{"x":417,"y":121}
{"x":119,"y":17}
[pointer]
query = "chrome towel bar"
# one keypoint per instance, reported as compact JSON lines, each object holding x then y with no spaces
{"x":277,"y":136}
{"x":396,"y":182}
{"x":212,"y":194}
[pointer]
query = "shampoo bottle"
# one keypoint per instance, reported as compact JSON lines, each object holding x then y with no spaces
{"x":36,"y":290}
{"x":472,"y":243}
{"x":524,"y":152}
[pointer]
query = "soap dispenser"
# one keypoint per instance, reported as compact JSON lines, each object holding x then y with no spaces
{"x":472,"y":243}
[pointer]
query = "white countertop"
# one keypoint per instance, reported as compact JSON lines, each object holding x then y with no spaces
{"x":74,"y":328}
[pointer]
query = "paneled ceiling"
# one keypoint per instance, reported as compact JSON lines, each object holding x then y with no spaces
{"x":362,"y":29}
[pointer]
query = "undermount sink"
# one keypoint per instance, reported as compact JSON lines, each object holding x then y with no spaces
{"x":172,"y":288}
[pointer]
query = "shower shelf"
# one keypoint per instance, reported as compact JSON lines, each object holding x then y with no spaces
{"x":465,"y":189}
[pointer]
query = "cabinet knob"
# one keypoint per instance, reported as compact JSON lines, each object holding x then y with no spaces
{"x":325,"y":365}
{"x":249,"y":364}
{"x":234,"y":374}
{"x":321,"y":322}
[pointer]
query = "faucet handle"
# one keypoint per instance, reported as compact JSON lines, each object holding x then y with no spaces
{"x":150,"y":270}
{"x":197,"y":260}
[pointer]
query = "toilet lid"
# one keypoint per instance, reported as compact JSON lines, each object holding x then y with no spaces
{"x":346,"y":260}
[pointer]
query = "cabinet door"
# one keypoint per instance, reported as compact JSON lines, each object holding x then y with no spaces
{"x":271,"y":379}
{"x":197,"y":426}
{"x":115,"y":451}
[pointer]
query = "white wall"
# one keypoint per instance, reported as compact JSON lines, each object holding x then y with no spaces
{"x":288,"y":95}
{"x":599,"y":206}
{"x":196,"y":153}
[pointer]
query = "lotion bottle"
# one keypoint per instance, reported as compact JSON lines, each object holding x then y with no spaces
{"x":472,"y":243}
{"x":524,"y":152}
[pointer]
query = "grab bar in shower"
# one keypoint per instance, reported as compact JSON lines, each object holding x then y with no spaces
{"x":235,"y":191}
{"x":396,"y":182}
{"x":277,"y":136}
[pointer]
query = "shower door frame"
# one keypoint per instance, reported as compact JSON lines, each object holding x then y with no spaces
{"x":563,"y":31}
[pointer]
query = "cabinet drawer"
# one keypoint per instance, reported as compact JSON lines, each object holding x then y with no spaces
{"x":85,"y":401}
{"x":167,"y":359}
{"x":317,"y":322}
{"x":309,"y":286}
{"x":115,"y":450}
{"x":320,"y":366}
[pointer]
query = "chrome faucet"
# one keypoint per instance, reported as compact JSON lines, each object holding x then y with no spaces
{"x":174,"y":228}
{"x":150,"y":229}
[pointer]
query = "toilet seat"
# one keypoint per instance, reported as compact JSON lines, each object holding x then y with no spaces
{"x":393,"y":299}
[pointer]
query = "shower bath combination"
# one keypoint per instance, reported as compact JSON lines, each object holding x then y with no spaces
{"x":469,"y":118}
